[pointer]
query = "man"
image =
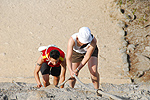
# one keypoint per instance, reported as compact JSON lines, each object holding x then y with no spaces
{"x":52,"y":61}
{"x":81,"y":49}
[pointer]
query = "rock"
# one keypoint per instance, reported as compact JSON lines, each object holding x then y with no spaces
{"x":36,"y":95}
{"x":3,"y":97}
{"x":126,"y":73}
{"x":122,"y":50}
{"x":122,"y":11}
{"x":126,"y":65}
{"x":124,"y":43}
{"x":131,"y":47}
{"x":124,"y":58}
{"x":122,"y":39}
{"x":126,"y":69}
{"x":13,"y":97}
{"x":121,"y":24}
{"x":122,"y":33}
{"x":22,"y":96}
{"x":140,"y":74}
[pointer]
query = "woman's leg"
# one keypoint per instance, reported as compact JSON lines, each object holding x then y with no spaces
{"x":73,"y":80}
{"x":93,"y":65}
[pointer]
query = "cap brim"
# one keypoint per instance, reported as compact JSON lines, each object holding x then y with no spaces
{"x":82,"y":40}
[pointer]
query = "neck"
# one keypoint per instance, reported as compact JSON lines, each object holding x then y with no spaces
{"x":78,"y":42}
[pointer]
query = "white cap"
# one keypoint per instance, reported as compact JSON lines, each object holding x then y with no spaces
{"x":84,"y":35}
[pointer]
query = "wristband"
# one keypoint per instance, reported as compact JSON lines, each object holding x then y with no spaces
{"x":77,"y":70}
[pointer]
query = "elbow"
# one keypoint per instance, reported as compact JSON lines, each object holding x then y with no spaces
{"x":68,"y":59}
{"x":36,"y":72}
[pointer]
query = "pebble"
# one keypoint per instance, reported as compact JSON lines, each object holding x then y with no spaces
{"x":118,"y":66}
{"x":6,"y":43}
{"x":147,"y":48}
{"x":3,"y":54}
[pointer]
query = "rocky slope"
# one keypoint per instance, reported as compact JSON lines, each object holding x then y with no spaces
{"x":11,"y":91}
{"x":135,"y":24}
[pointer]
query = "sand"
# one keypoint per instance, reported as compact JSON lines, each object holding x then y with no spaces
{"x":27,"y":24}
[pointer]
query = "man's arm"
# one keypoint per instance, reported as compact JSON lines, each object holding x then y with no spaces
{"x":36,"y":71}
{"x":63,"y":72}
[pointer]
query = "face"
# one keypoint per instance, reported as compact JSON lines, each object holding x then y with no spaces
{"x":54,"y":61}
{"x":82,"y":44}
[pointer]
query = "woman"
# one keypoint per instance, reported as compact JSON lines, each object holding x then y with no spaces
{"x":81,"y":49}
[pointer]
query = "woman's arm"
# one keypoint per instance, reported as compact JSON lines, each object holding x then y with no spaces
{"x":71,"y":43}
{"x":88,"y":53}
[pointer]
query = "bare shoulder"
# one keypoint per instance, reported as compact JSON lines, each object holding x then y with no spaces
{"x":94,"y":41}
{"x":40,"y":59}
{"x":71,"y":42}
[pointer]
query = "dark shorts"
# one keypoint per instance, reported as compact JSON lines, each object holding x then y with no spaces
{"x":77,"y":57}
{"x":46,"y":69}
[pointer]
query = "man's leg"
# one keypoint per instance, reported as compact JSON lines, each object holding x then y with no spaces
{"x":45,"y":74}
{"x":93,"y":65}
{"x":46,"y":80}
{"x":56,"y":80}
{"x":55,"y":72}
{"x":63,"y":72}
{"x":73,"y":80}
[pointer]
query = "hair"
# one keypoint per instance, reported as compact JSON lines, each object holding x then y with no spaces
{"x":55,"y":54}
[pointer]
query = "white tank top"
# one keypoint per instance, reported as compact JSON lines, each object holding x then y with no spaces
{"x":77,"y":48}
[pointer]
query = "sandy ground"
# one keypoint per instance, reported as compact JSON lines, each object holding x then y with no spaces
{"x":27,"y":24}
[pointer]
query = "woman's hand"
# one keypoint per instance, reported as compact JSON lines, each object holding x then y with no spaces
{"x":74,"y":72}
{"x":39,"y":85}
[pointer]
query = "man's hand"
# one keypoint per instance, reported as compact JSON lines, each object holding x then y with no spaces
{"x":39,"y":85}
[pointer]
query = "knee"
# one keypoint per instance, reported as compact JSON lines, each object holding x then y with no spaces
{"x":45,"y":81}
{"x":56,"y":77}
{"x":95,"y":74}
